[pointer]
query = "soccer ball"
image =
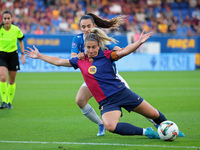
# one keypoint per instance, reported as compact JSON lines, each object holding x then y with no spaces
{"x":168,"y":131}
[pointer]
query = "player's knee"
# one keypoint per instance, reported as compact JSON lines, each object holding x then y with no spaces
{"x":3,"y":78}
{"x":110,"y":126}
{"x":80,"y":102}
{"x":154,"y":114}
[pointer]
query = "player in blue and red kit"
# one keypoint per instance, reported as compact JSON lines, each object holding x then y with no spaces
{"x":109,"y":92}
{"x":87,"y":22}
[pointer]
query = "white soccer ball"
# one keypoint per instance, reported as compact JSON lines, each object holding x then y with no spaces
{"x":168,"y":131}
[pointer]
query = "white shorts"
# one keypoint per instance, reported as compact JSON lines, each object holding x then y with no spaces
{"x":118,"y":77}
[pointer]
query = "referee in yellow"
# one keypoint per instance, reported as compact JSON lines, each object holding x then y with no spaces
{"x":9,"y":60}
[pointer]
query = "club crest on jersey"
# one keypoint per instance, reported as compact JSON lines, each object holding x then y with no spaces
{"x":91,"y":60}
{"x":92,"y":69}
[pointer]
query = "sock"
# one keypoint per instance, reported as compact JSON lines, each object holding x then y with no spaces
{"x":127,"y":129}
{"x":155,"y":124}
{"x":89,"y":112}
{"x":160,"y":119}
{"x":144,"y":130}
{"x":4,"y":91}
{"x":11,"y":92}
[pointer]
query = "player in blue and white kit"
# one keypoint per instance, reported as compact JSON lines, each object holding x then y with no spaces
{"x":87,"y":22}
{"x":109,"y":92}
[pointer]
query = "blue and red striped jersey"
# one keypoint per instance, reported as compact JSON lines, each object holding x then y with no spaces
{"x":99,"y":75}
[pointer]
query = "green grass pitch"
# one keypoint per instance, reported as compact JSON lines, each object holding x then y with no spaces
{"x":46,"y":117}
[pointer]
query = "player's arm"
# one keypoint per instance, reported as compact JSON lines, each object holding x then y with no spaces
{"x":74,"y":47}
{"x":21,"y":45}
{"x":34,"y":53}
{"x":132,"y":47}
{"x":117,"y":48}
{"x":73,"y":54}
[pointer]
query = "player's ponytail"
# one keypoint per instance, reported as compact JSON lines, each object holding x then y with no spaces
{"x":5,"y":12}
{"x":105,"y":23}
{"x":100,"y":36}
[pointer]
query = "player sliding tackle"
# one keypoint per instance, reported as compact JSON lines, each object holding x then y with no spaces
{"x":109,"y":92}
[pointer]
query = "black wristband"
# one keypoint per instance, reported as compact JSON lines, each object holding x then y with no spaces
{"x":22,"y":53}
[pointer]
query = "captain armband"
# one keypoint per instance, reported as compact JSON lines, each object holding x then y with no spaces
{"x":114,"y":55}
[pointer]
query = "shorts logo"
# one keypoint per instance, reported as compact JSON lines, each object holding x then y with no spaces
{"x":74,"y":45}
{"x":101,"y":108}
{"x":138,"y":98}
{"x":91,"y":60}
{"x":92,"y":69}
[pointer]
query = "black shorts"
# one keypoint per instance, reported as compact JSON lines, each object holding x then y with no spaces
{"x":10,"y":60}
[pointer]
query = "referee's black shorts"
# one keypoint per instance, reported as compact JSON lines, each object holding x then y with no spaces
{"x":10,"y":60}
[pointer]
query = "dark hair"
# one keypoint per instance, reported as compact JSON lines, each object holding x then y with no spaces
{"x":104,"y":23}
{"x":5,"y":12}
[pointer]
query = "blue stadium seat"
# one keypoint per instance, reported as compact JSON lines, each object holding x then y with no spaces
{"x":110,"y":16}
{"x":42,"y":28}
{"x":33,"y":27}
{"x":185,"y":12}
{"x":130,"y":18}
{"x":156,"y":10}
{"x":103,"y":15}
{"x":191,"y":11}
{"x":182,"y":30}
{"x":82,"y":3}
{"x":184,"y":5}
{"x":174,"y":5}
{"x":48,"y":28}
{"x":55,"y":22}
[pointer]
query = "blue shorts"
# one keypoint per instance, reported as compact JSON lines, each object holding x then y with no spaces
{"x":124,"y":99}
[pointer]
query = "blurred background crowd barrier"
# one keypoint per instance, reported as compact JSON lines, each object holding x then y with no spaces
{"x":51,"y":25}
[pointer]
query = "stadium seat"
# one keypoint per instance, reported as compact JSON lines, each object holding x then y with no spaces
{"x":184,"y":5}
{"x":185,"y":12}
{"x":174,"y":5}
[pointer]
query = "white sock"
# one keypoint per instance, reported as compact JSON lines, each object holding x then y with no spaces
{"x":144,"y":131}
{"x":89,"y":112}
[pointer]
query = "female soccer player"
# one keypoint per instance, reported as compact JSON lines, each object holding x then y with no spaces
{"x":9,"y":61}
{"x":87,"y":22}
{"x":109,"y":92}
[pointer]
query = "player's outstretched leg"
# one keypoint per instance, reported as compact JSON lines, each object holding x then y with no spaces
{"x":123,"y":128}
{"x":90,"y":113}
{"x":181,"y":134}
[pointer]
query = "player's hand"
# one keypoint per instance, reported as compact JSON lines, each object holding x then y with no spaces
{"x":32,"y":53}
{"x":81,"y":56}
{"x":144,"y":37}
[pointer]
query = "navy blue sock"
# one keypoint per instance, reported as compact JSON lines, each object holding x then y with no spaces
{"x":160,"y":119}
{"x":128,"y":129}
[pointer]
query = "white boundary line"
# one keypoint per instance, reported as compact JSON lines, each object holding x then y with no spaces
{"x":109,"y":144}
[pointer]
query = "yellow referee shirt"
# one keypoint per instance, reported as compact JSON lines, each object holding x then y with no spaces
{"x":8,"y":39}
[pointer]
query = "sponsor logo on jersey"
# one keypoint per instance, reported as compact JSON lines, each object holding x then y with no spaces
{"x":74,"y":45}
{"x":92,"y":69}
